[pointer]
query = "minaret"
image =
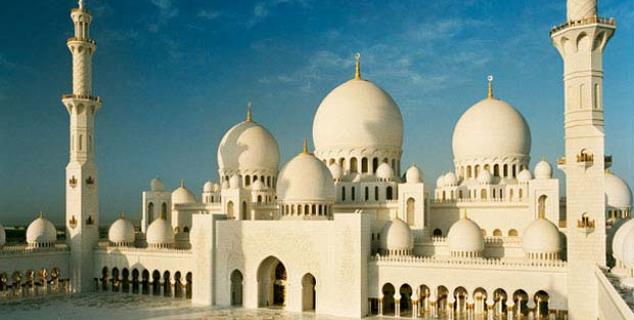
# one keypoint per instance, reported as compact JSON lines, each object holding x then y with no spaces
{"x":82,"y":199}
{"x":581,"y":41}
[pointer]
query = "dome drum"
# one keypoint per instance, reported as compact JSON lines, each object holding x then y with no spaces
{"x":499,"y":167}
{"x":362,"y":161}
{"x":304,"y":210}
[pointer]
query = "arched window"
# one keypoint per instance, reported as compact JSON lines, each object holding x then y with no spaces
{"x":459,"y":194}
{"x":364,"y":165}
{"x":164,"y":209}
{"x":343,"y":193}
{"x":510,"y":194}
{"x":437,"y":233}
{"x":367,"y":194}
{"x":268,"y":181}
{"x":388,"y":193}
{"x":375,"y":164}
{"x":255,"y":178}
{"x":477,"y":170}
{"x":376,"y":193}
{"x":496,"y":170}
{"x":494,"y":194}
{"x":230,"y":209}
{"x":410,"y":211}
{"x":513,"y":233}
{"x":306,"y":209}
{"x":497,"y":233}
{"x":514,"y":170}
{"x":81,"y":142}
{"x":541,"y":206}
{"x":245,"y":214}
{"x":259,"y":199}
{"x":150,"y":212}
{"x":353,"y":195}
{"x":521,"y":193}
{"x":247,"y":180}
{"x":468,"y":171}
{"x":506,"y":170}
{"x":483,"y":194}
{"x":353,"y":165}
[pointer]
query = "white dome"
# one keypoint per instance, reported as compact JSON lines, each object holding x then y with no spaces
{"x":541,"y":236}
{"x":160,"y":233}
{"x":235,"y":182}
{"x":258,"y":185}
{"x":543,"y":170}
{"x":41,"y":232}
{"x":3,"y":236}
{"x":335,"y":171}
{"x":384,"y":171}
{"x":524,"y":175}
{"x":248,"y":146}
{"x":491,"y":128}
{"x":451,"y":179}
{"x":413,"y":175}
{"x":396,"y":235}
{"x":628,"y":250}
{"x":156,"y":185}
{"x":358,"y":114}
{"x":182,"y":195}
{"x":440,"y":182}
{"x":305,"y":178}
{"x":208,"y":187}
{"x":617,"y":192}
{"x":465,"y":236}
{"x":619,"y":239}
{"x":485,"y":177}
{"x":121,"y":232}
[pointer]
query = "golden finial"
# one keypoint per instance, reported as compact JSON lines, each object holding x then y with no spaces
{"x":490,"y":93}
{"x":357,"y":67}
{"x":40,"y":215}
{"x":249,"y":111}
{"x":464,"y":213}
{"x":305,"y":150}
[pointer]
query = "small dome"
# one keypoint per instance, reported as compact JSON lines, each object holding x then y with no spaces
{"x":524,"y":176}
{"x":617,"y":192}
{"x":541,"y":237}
{"x":384,"y":172}
{"x":208,"y":187}
{"x":305,"y":178}
{"x":3,"y":236}
{"x":618,"y":242}
{"x":465,"y":236}
{"x":182,"y":195}
{"x":358,"y":114}
{"x":248,"y":146}
{"x":440,"y":182}
{"x":156,"y":185}
{"x":335,"y":170}
{"x":41,"y":232}
{"x":258,"y":185}
{"x":543,"y":170}
{"x":485,"y":177}
{"x":235,"y":182}
{"x":396,"y":236}
{"x":160,"y":233}
{"x":413,"y":175}
{"x":491,"y":128}
{"x":628,"y":250}
{"x":451,"y":179}
{"x":121,"y":232}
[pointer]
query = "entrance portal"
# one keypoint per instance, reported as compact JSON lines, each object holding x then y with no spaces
{"x":308,"y":292}
{"x":272,"y":281}
{"x":236,"y":288}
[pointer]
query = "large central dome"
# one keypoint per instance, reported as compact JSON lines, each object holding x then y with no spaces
{"x":358,"y":114}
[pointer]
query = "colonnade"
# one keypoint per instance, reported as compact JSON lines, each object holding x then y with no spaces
{"x":135,"y":282}
{"x":441,"y":303}
{"x":32,"y":283}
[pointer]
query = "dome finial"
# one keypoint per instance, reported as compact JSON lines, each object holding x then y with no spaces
{"x":122,"y":214}
{"x":182,"y":183}
{"x":464,"y":213}
{"x":305,"y":150}
{"x":40,"y":215}
{"x":357,"y":66}
{"x":81,"y":4}
{"x":490,"y":93}
{"x":249,"y":111}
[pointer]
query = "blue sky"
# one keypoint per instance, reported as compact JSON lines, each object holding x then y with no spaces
{"x":175,"y":75}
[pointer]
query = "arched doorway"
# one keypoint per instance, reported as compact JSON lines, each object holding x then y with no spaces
{"x":460,"y":298}
{"x":236,"y":288}
{"x":308,"y":292}
{"x":388,"y":299}
{"x":520,"y":300}
{"x":406,"y":300}
{"x":230,"y":210}
{"x":541,"y":304}
{"x":272,"y":280}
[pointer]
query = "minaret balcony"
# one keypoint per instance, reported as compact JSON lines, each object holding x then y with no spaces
{"x":584,"y":21}
{"x":81,"y":97}
{"x":91,"y":41}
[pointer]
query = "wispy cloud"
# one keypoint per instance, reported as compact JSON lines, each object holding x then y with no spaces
{"x":263,"y":9}
{"x":167,"y":11}
{"x":208,"y":14}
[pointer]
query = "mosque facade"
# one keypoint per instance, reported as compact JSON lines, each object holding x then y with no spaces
{"x":347,"y":230}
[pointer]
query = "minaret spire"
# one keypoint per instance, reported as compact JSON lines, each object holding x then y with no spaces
{"x":82,"y":193}
{"x":357,"y":66}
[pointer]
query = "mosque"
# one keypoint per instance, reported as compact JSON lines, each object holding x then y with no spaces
{"x":344,"y":229}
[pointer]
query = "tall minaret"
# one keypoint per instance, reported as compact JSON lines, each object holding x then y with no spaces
{"x":82,"y":198}
{"x":581,"y":41}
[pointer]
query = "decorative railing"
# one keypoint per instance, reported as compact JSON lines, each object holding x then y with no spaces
{"x":584,"y":21}
{"x":469,"y":262}
{"x":23,"y":249}
{"x":91,"y":41}
{"x":81,"y":96}
{"x":106,"y":246}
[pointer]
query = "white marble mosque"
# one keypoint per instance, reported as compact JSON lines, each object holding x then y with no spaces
{"x":344,"y":229}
